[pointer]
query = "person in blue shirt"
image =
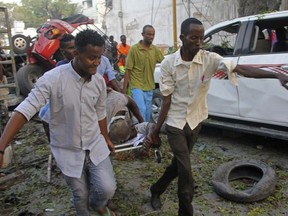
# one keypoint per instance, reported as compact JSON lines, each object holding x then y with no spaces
{"x":106,"y":70}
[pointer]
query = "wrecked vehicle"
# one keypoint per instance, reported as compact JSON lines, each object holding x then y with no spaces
{"x":43,"y":50}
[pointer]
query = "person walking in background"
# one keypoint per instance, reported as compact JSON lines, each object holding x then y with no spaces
{"x":123,"y":50}
{"x":184,"y":83}
{"x":114,"y":53}
{"x":78,"y":129}
{"x":67,"y":48}
{"x":139,"y":75}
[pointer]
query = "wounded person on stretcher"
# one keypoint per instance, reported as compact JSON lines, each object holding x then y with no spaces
{"x":121,"y":130}
{"x":121,"y":124}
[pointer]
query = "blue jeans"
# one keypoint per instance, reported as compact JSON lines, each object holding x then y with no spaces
{"x":94,"y":188}
{"x":143,"y":100}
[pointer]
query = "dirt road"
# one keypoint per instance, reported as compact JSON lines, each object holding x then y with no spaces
{"x":34,"y":196}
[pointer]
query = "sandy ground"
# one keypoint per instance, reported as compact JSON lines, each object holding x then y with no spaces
{"x":33,"y":195}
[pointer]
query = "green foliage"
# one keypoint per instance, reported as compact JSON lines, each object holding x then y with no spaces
{"x":35,"y":12}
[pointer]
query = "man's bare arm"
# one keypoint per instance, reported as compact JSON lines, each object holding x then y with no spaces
{"x":115,"y":85}
{"x":14,"y":124}
{"x":253,"y":72}
{"x":132,"y":106}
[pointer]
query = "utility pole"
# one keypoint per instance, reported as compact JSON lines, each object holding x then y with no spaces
{"x":121,"y":18}
{"x":174,"y":24}
{"x":189,"y":10}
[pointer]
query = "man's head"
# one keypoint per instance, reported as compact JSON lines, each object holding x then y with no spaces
{"x":121,"y":129}
{"x":111,"y":38}
{"x":123,"y":39}
{"x":148,"y":34}
{"x":67,"y":46}
{"x":192,"y":35}
{"x":88,"y":51}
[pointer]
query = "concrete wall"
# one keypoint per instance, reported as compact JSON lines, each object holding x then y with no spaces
{"x":128,"y":17}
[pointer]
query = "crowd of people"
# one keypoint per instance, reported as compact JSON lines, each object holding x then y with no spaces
{"x":86,"y":106}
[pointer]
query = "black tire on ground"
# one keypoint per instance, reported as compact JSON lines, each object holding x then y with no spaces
{"x":20,"y":43}
{"x":27,"y":77}
{"x":244,"y":169}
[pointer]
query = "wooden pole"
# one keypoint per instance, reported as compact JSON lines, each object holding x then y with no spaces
{"x":174,"y":25}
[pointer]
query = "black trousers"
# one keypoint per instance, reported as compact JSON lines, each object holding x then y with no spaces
{"x":181,"y":143}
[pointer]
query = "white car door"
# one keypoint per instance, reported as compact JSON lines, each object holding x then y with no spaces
{"x":264,"y":100}
{"x":223,"y":98}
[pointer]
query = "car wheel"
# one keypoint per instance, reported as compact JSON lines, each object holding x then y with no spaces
{"x":27,"y":77}
{"x":20,"y":43}
{"x":244,"y":169}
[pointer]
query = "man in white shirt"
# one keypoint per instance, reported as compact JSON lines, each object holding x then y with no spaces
{"x":79,"y":139}
{"x":184,"y":83}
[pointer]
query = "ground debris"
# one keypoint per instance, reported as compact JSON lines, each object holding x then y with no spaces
{"x":134,"y":177}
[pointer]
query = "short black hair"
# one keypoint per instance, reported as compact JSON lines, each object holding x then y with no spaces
{"x":88,"y":37}
{"x":64,"y":39}
{"x":146,"y":26}
{"x":122,"y":36}
{"x":185,"y":24}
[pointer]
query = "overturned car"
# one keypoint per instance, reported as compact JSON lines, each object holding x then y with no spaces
{"x":43,"y":50}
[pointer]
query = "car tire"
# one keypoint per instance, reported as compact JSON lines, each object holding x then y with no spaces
{"x":27,"y":77}
{"x":244,"y":169}
{"x":20,"y":43}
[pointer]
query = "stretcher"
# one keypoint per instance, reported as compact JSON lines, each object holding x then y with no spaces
{"x":137,"y":143}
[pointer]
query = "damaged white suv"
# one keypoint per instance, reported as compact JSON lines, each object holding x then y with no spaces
{"x":258,"y":106}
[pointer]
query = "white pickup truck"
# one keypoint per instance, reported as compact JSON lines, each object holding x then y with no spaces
{"x":258,"y":106}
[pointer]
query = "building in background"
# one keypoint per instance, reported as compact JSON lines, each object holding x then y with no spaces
{"x":117,"y":17}
{"x":95,"y":9}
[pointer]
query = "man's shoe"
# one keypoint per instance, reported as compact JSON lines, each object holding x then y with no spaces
{"x":155,"y":201}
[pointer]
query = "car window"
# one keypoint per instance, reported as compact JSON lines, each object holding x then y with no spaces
{"x":223,"y":40}
{"x":269,"y":36}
